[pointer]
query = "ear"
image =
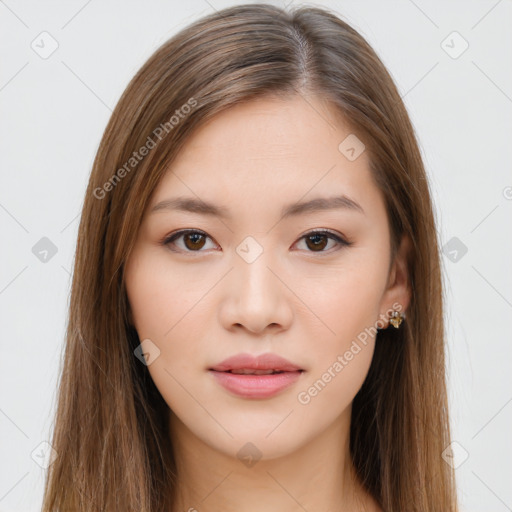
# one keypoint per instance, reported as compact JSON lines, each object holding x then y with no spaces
{"x":397,"y":294}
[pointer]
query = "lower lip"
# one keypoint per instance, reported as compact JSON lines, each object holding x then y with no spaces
{"x":256,"y":386}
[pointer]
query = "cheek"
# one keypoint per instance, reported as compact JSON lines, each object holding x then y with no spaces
{"x":150,"y":298}
{"x":159,"y":298}
{"x":168,"y":308}
{"x":343,"y":354}
{"x":165,"y":309}
{"x":345,"y":303}
{"x":331,"y":389}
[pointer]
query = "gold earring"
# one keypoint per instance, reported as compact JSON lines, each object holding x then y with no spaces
{"x":396,"y":319}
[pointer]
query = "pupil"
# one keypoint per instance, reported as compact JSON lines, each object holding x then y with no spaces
{"x":194,"y":238}
{"x":317,"y":245}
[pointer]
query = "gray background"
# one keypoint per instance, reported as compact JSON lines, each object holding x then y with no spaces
{"x":53,"y":113}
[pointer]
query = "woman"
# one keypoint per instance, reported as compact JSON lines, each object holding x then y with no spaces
{"x":256,"y":317}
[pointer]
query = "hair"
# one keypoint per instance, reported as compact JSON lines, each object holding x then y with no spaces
{"x":111,"y":430}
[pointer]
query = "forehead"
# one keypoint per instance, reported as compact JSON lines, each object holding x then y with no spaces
{"x":272,"y":149}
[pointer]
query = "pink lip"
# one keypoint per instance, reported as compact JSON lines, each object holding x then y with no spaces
{"x":256,"y":386}
{"x":262,"y":362}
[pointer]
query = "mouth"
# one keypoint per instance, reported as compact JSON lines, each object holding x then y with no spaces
{"x":250,"y":371}
{"x":251,"y":384}
{"x":247,"y":363}
{"x":263,"y":376}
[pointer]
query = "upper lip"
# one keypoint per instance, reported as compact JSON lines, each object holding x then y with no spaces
{"x":262,"y":362}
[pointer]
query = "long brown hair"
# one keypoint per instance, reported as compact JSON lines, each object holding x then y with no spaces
{"x":111,"y":425}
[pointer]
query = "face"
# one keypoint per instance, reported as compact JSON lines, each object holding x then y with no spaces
{"x":250,"y":272}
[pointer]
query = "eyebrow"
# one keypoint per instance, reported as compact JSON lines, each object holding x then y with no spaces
{"x":194,"y":205}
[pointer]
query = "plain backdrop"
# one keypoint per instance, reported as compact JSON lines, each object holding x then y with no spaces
{"x":452,"y":64}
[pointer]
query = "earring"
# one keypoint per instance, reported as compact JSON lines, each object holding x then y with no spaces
{"x":396,"y":319}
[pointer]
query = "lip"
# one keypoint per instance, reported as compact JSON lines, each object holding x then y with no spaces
{"x":266,"y":361}
{"x":256,"y":386}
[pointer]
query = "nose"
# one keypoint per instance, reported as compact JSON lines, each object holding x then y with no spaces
{"x":256,"y":297}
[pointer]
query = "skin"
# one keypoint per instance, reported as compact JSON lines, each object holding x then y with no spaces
{"x":200,"y":307}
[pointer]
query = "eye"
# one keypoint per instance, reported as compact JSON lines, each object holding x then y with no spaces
{"x":195,"y":240}
{"x":318,"y":240}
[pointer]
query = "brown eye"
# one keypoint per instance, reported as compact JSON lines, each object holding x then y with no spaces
{"x":317,"y":241}
{"x":195,"y":241}
{"x":192,"y":241}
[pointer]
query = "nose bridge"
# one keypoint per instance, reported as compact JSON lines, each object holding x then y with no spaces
{"x":252,"y":270}
{"x":258,"y":297}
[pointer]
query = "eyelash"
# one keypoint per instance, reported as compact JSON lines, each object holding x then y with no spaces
{"x":166,"y":241}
